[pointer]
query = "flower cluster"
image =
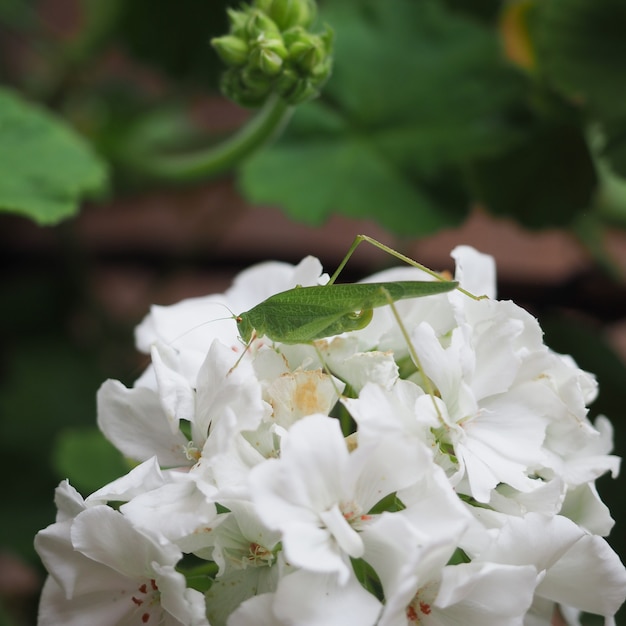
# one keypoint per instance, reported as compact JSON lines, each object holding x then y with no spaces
{"x":269,"y":49}
{"x":438,"y":470}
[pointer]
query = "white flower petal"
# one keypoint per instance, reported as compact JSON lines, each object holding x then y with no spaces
{"x":93,"y":608}
{"x":584,"y":507}
{"x":142,"y":478}
{"x":484,"y":594}
{"x":294,"y":395}
{"x":475,"y":271}
{"x":228,"y":400}
{"x":256,"y":611}
{"x":190,"y":327}
{"x":310,"y":599}
{"x":589,"y":577}
{"x":314,"y":549}
{"x":175,"y":391}
{"x":174,"y":510}
{"x":134,"y":421}
{"x":105,"y":536}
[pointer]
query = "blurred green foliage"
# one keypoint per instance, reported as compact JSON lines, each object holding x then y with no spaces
{"x":433,"y":106}
{"x":417,"y":93}
{"x":425,"y":116}
{"x":32,"y":146}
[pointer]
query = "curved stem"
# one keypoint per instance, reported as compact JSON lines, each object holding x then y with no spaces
{"x":264,"y":126}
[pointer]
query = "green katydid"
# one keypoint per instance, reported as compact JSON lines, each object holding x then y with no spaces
{"x":305,"y":314}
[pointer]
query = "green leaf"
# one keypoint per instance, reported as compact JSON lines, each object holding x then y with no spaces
{"x":18,"y":14}
{"x":87,"y":459}
{"x":416,"y":93}
{"x":582,"y":49}
{"x":46,"y":167}
{"x":313,"y":178}
{"x":544,"y":181}
{"x":613,"y":207}
{"x":480,"y":9}
{"x":614,"y":149}
{"x":459,"y":557}
{"x":368,"y":577}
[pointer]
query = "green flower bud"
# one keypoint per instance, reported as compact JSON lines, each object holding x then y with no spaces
{"x":245,"y":88}
{"x":321,"y":72}
{"x":294,"y":89}
{"x":269,"y":51}
{"x":260,"y":25}
{"x":288,"y":13}
{"x":303,"y":92}
{"x":286,"y":82}
{"x":267,"y":55}
{"x":306,"y":50}
{"x":272,"y":44}
{"x":255,"y":80}
{"x":232,"y":50}
{"x":238,"y":21}
{"x":266,"y":61}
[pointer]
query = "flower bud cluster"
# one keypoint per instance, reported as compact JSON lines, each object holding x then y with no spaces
{"x":269,"y":50}
{"x":435,"y":467}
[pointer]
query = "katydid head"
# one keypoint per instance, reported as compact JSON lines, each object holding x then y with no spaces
{"x":245,"y":327}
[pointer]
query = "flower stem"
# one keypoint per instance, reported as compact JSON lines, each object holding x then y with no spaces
{"x":267,"y":124}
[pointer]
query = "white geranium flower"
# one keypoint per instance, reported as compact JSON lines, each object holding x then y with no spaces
{"x":294,"y":393}
{"x":495,"y":432}
{"x":420,"y":587}
{"x":105,"y":571}
{"x":223,"y":401}
{"x":229,"y":473}
{"x":168,"y":503}
{"x":452,"y":484}
{"x":495,"y":438}
{"x":248,"y":556}
{"x":318,"y":494}
{"x":379,"y":412}
{"x":574,"y":568}
{"x":227,"y":401}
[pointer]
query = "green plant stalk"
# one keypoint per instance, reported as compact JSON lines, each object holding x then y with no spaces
{"x":206,"y":163}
